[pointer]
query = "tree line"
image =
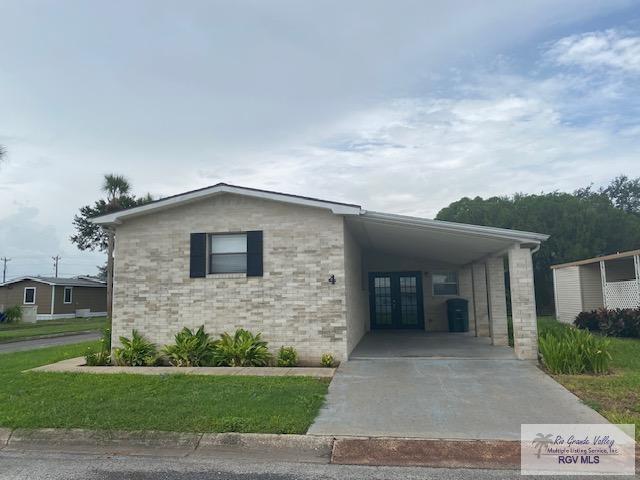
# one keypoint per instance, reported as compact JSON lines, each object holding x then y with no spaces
{"x":586,"y":223}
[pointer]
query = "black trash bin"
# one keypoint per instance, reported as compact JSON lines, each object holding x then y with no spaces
{"x":458,"y":314}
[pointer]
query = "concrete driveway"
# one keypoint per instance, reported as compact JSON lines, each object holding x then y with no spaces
{"x":454,"y":398}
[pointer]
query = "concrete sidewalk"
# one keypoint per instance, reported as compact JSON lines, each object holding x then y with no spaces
{"x":448,"y":398}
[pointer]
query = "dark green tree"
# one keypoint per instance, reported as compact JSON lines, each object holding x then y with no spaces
{"x":582,"y":225}
{"x":90,"y":236}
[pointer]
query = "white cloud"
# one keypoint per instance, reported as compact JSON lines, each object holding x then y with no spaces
{"x":606,"y":49}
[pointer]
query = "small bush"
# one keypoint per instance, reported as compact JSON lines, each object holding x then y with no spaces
{"x":620,"y":322}
{"x":190,"y":349}
{"x":327,"y":360}
{"x":243,"y":349}
{"x":136,"y":352}
{"x":103,"y":355}
{"x":287,"y":357}
{"x":572,"y":351}
{"x":587,"y":321}
{"x":13,"y":314}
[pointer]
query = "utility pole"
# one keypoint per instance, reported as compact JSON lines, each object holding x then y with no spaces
{"x":4,"y":268}
{"x":56,"y":259}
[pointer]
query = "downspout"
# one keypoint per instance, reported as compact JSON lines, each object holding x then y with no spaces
{"x":53,"y":300}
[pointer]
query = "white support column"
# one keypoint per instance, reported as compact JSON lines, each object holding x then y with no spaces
{"x":603,"y":279}
{"x":636,"y":264}
{"x":465,"y":285}
{"x":523,"y":303}
{"x":497,"y":301}
{"x":480,"y":300}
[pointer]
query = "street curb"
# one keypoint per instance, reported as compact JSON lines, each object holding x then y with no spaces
{"x":492,"y":454}
{"x":300,"y":447}
{"x":79,"y":440}
{"x":5,"y":435}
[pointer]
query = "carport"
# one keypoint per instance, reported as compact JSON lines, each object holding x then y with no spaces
{"x":402,"y":270}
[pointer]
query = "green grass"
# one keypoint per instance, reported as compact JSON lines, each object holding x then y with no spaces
{"x":140,"y":402}
{"x":615,"y":396}
{"x":11,"y":332}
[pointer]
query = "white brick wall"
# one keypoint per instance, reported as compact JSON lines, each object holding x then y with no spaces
{"x":292,"y":304}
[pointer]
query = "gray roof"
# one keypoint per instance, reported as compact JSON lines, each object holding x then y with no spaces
{"x":67,"y":282}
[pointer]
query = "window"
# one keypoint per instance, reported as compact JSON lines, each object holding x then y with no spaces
{"x":445,"y":283}
{"x":228,"y":253}
{"x":68,"y":294}
{"x":29,"y":295}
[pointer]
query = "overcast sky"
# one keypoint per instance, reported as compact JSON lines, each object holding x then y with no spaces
{"x":400,"y":106}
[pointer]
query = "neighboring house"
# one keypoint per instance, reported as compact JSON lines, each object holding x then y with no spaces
{"x":55,"y":297}
{"x":610,"y":281}
{"x":311,"y":273}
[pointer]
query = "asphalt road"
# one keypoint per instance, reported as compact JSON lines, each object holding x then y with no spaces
{"x":227,"y":466}
{"x":47,"y":342}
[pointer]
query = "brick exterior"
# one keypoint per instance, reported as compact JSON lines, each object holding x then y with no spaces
{"x":292,"y":304}
{"x":497,"y":301}
{"x":480,"y":299}
{"x":523,"y":304}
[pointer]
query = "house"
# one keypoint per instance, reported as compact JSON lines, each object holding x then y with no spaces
{"x":315,"y":274}
{"x":47,"y":298}
{"x":610,"y":281}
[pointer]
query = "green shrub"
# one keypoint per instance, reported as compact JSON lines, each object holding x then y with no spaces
{"x":327,"y":360}
{"x":287,"y":357}
{"x":103,"y":355}
{"x":243,"y":349}
{"x":136,"y":352}
{"x":190,"y":349}
{"x":572,"y":351}
{"x":13,"y":314}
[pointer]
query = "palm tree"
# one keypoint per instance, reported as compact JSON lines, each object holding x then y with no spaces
{"x":116,"y":187}
{"x":3,"y":152}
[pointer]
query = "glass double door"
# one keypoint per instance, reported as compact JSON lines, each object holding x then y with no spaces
{"x":395,"y":300}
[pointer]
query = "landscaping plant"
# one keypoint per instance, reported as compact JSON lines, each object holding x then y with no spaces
{"x":243,"y":349}
{"x":13,"y":314}
{"x":619,"y":322}
{"x":287,"y":357}
{"x":136,"y":352}
{"x":102,"y":356}
{"x":190,"y":349}
{"x":327,"y":360}
{"x":572,"y":351}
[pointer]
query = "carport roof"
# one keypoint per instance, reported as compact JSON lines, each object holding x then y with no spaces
{"x":446,"y":242}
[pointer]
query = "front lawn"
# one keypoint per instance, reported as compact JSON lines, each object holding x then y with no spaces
{"x":11,"y":332}
{"x":615,"y":396}
{"x":140,"y":402}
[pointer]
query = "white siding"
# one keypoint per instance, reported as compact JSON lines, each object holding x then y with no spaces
{"x":569,"y":297}
{"x":591,"y":287}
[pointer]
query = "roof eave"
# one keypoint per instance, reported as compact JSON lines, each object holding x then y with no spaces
{"x":479,"y":230}
{"x":117,"y":217}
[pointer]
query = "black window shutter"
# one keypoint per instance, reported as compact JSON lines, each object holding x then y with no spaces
{"x":198,"y":254}
{"x":254,"y":253}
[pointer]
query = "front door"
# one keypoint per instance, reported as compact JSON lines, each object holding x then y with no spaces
{"x":395,"y":300}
